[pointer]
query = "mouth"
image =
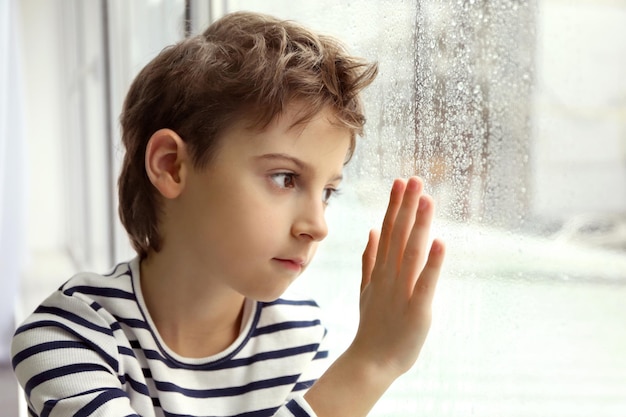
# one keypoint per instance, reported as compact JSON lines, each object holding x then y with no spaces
{"x":296,"y":265}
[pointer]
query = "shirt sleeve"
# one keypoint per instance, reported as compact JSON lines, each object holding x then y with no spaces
{"x":65,"y":358}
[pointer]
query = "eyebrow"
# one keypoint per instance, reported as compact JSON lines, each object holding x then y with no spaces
{"x":303,"y":166}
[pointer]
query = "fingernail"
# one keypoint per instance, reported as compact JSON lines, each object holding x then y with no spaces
{"x":397,"y":186}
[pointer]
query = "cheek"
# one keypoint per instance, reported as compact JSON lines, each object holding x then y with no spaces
{"x":248,"y":223}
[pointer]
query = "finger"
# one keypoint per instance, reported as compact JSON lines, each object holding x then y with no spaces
{"x":424,"y":290}
{"x":395,"y":200}
{"x":369,"y":258}
{"x":404,"y":222}
{"x":417,"y":244}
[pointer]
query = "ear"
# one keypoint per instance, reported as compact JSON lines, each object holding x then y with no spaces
{"x":166,"y":159}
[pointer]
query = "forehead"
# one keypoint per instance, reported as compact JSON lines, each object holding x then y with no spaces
{"x":288,"y":132}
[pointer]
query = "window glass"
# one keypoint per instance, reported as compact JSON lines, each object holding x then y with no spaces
{"x":514,"y":113}
{"x":82,"y":89}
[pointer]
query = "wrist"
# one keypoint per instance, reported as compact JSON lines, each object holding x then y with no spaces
{"x":370,"y":365}
{"x":351,"y":386}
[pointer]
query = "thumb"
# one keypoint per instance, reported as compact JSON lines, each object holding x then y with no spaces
{"x":369,"y":258}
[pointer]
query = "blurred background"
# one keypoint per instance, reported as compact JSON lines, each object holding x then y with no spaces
{"x":513,"y":112}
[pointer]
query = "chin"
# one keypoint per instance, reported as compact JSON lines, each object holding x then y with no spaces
{"x":268,"y":295}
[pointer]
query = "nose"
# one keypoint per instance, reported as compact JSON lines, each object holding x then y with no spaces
{"x":310,"y":221}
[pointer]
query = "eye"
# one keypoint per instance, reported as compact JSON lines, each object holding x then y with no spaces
{"x":284,"y":179}
{"x":328,"y":193}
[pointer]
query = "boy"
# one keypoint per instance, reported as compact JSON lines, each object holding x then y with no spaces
{"x":235,"y":141}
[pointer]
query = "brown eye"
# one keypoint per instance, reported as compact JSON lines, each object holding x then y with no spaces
{"x":284,"y":179}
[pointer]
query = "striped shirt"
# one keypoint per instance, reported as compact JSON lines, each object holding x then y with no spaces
{"x":91,"y":349}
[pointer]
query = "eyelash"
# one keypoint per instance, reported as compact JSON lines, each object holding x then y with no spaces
{"x":328,"y":192}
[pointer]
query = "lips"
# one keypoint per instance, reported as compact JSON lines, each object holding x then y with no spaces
{"x":295,"y":264}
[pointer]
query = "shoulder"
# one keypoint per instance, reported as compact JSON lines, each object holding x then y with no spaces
{"x":82,"y":312}
{"x":82,"y":292}
{"x":90,"y":296}
{"x":118,"y":283}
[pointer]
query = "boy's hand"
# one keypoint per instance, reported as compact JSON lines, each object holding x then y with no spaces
{"x":400,"y":273}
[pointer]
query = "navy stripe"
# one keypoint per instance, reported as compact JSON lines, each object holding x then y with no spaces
{"x":303,"y":385}
{"x":50,"y":404}
{"x":48,"y":407}
{"x":60,"y":372}
{"x":276,"y":354}
{"x":44,"y":347}
{"x":115,"y":271}
{"x":100,"y":291}
{"x":36,"y":325}
{"x":282,"y":301}
{"x":153,"y":355}
{"x":267,"y":412}
{"x":156,"y":356}
{"x":287,"y":325}
{"x":73,"y":318}
{"x":95,"y":306}
{"x":100,"y":400}
{"x":230,"y":391}
{"x":264,"y":356}
{"x":134,"y":323}
{"x":322,"y":354}
{"x":112,"y":362}
{"x":296,"y":410}
{"x":123,"y":350}
{"x":136,"y":385}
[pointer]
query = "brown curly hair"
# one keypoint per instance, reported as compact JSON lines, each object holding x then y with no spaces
{"x":244,"y":64}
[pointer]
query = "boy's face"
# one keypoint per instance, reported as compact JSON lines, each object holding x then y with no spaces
{"x":251,"y":220}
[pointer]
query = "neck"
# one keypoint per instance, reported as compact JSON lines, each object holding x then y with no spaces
{"x":195,"y":316}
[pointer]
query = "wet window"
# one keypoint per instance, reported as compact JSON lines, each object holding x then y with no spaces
{"x":514,"y":113}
